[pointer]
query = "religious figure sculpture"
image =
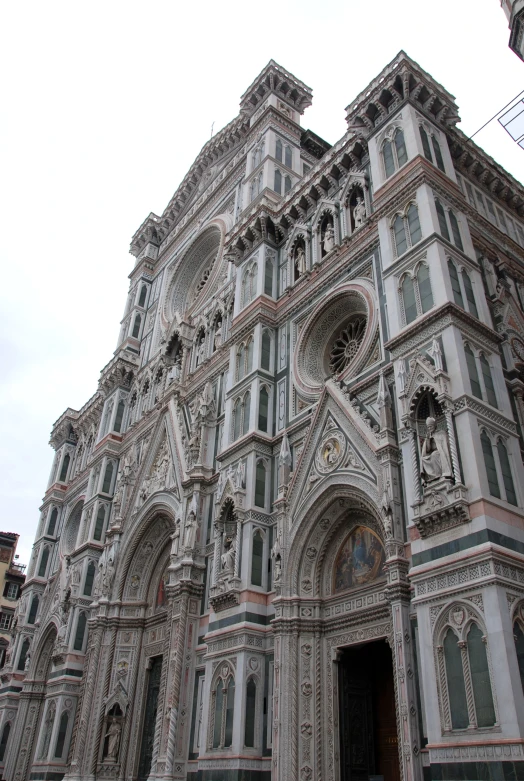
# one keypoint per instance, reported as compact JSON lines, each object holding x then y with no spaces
{"x":359,"y":213}
{"x":201,"y":355}
{"x":113,"y":742}
{"x":175,"y":538}
{"x":300,"y":260}
{"x":27,"y":662}
{"x":190,"y":531}
{"x":240,"y":475}
{"x":276,"y":555}
{"x":329,"y":239}
{"x":228,"y":557}
{"x":48,"y":726}
{"x":218,"y":335}
{"x":175,"y":371}
{"x":435,"y":458}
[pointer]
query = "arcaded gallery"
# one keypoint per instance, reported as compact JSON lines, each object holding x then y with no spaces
{"x":284,"y":538}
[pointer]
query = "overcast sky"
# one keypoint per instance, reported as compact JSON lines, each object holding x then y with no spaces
{"x":104,"y":107}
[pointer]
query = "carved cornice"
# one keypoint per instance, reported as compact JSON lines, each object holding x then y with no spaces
{"x":423,"y":330}
{"x":488,"y":414}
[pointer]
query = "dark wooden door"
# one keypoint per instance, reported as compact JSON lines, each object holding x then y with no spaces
{"x":148,"y":734}
{"x":368,"y":724}
{"x":357,"y":756}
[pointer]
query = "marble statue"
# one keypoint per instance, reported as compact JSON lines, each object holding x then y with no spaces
{"x":359,"y":212}
{"x":435,"y":458}
{"x":329,"y":239}
{"x":113,"y":742}
{"x":228,"y":557}
{"x":300,"y":260}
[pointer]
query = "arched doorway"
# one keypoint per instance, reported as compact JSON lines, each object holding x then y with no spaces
{"x":337,"y":685}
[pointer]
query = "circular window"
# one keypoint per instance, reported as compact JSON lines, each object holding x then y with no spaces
{"x":194,"y":271}
{"x":337,"y":337}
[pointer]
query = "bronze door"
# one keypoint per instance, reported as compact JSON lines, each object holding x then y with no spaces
{"x":148,"y":734}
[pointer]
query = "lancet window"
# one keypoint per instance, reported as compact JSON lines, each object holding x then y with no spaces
{"x":406,"y":230}
{"x":464,"y":675}
{"x":498,"y":468}
{"x":222,"y":709}
{"x":416,"y":295}
{"x":431,"y":147}
{"x":394,"y":153}
{"x":480,"y":376}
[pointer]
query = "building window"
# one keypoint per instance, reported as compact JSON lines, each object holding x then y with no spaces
{"x":278,"y":150}
{"x":224,"y":705}
{"x":119,"y":416}
{"x":136,"y":327}
{"x":518,"y":636}
{"x":237,"y":419}
{"x":249,"y":284}
{"x":11,"y":590}
{"x":260,"y":485}
{"x":288,"y":157}
{"x":287,"y":184}
{"x":432,"y":152}
{"x":257,"y":558}
{"x":90,"y":578}
{"x":64,"y":469}
{"x":5,"y":620}
{"x":467,"y":669}
{"x":247,"y":413}
{"x":23,"y":655}
{"x":507,"y":477}
{"x":265,"y":359}
{"x":470,"y":297}
{"x":99,"y":525}
{"x":277,"y":186}
{"x":480,"y":376}
{"x":462,"y":288}
{"x":33,"y":610}
{"x":251,"y":699}
{"x":5,"y":738}
{"x":62,"y":732}
{"x":143,"y":294}
{"x":394,"y":153}
{"x":268,"y":277}
{"x":406,"y":229}
{"x":43,"y":562}
{"x":488,"y":380}
{"x":51,"y":527}
{"x":473,"y":372}
{"x":263,"y":409}
{"x":108,"y":478}
{"x":80,"y":632}
{"x":448,"y":225}
{"x":415,"y":293}
{"x":489,"y":463}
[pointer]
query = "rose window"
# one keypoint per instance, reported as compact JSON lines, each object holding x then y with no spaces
{"x":346,"y":345}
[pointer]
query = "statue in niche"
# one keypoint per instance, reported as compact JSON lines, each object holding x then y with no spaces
{"x":201,"y":354}
{"x":175,"y":538}
{"x":435,"y":458}
{"x":240,"y":475}
{"x":27,"y":662}
{"x":113,"y":740}
{"x":228,"y":557}
{"x":300,"y":261}
{"x":276,"y":555}
{"x":190,"y":531}
{"x":175,"y":372}
{"x":217,"y":341}
{"x":328,"y":241}
{"x":359,"y":212}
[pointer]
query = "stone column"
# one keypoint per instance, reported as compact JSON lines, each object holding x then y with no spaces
{"x":452,"y":444}
{"x":398,"y":595}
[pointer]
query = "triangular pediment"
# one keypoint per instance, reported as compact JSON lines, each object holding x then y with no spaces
{"x":159,"y":469}
{"x":335,"y":446}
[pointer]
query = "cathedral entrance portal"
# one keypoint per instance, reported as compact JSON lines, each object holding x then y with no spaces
{"x":148,"y":734}
{"x":368,"y":725}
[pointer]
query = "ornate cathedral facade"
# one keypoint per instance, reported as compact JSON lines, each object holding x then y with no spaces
{"x":284,"y":539}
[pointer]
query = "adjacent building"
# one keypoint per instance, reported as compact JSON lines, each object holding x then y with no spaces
{"x":12,"y":577}
{"x":284,"y":539}
{"x":514,"y":10}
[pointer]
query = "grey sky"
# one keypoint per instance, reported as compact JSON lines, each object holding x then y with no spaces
{"x":105,"y":106}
